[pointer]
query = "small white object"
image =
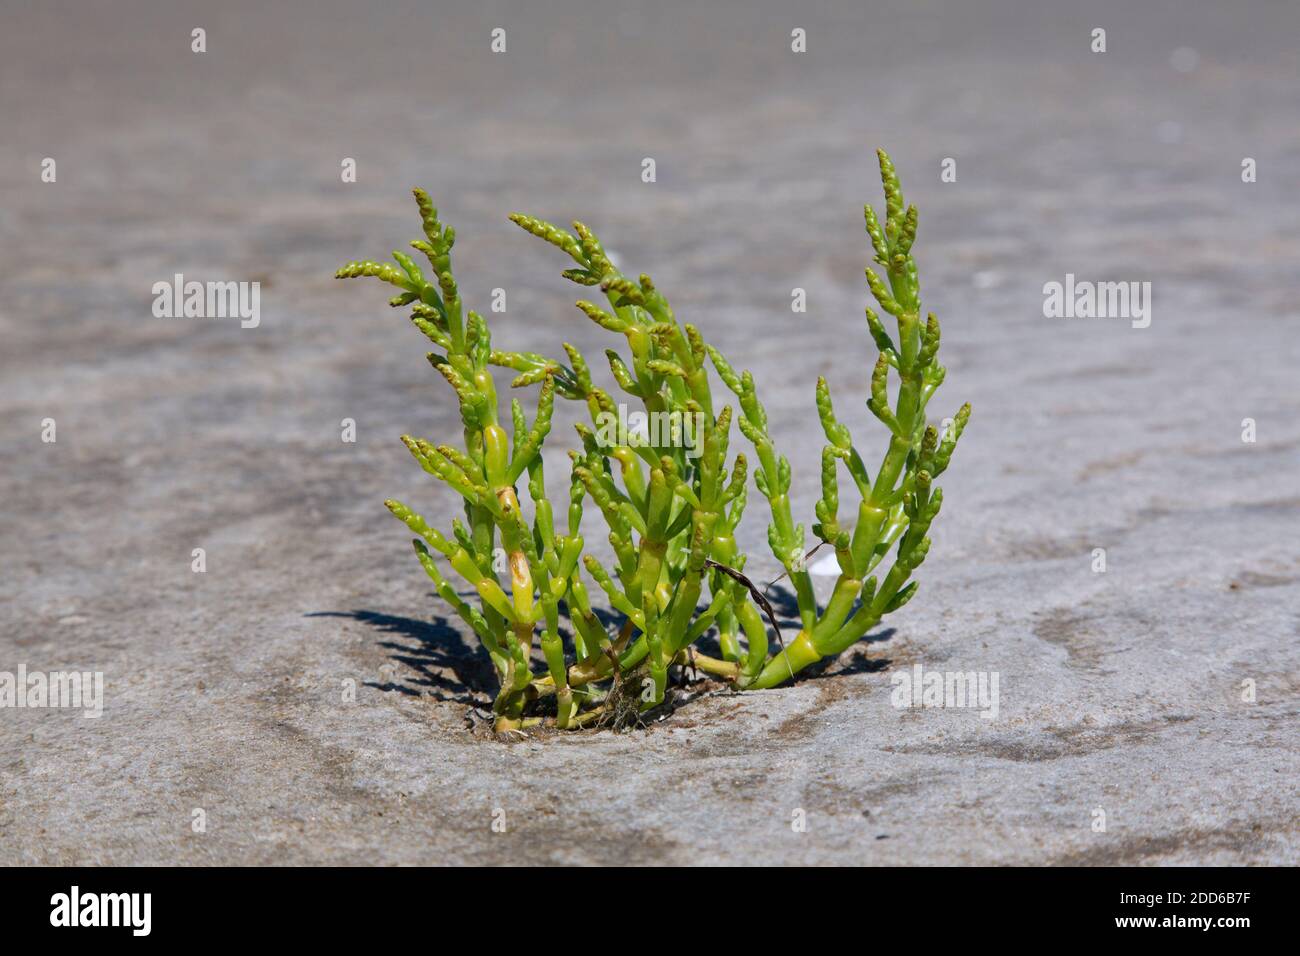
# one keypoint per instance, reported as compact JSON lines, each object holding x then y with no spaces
{"x":828,"y":566}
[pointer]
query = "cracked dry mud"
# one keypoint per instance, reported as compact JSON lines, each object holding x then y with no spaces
{"x":1119,"y":692}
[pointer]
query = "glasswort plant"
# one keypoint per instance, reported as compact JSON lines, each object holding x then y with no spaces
{"x":672,"y":499}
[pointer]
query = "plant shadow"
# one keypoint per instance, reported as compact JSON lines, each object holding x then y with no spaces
{"x":442,"y":664}
{"x":783,"y":601}
{"x":433,"y":648}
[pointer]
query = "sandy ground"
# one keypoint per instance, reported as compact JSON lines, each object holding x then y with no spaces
{"x":1121,"y":693}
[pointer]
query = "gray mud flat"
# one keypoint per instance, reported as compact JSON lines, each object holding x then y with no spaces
{"x":1124,"y":696}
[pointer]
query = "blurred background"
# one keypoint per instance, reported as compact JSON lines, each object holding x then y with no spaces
{"x":174,"y":434}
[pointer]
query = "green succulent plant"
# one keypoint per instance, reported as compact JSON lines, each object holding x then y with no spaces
{"x":670,"y":494}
